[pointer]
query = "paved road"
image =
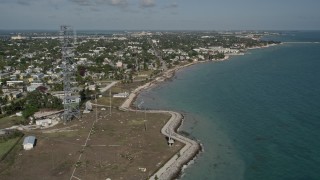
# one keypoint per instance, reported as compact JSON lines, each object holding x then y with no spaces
{"x":108,"y":86}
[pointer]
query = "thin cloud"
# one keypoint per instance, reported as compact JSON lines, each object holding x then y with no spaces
{"x":24,"y":3}
{"x":172,"y":6}
{"x":147,"y":3}
{"x":123,"y":4}
{"x":82,"y":2}
{"x":95,"y":9}
{"x":118,"y":3}
{"x":56,"y":4}
{"x":19,"y":2}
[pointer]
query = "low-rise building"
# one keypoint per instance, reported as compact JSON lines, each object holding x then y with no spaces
{"x":119,"y":64}
{"x":12,"y":95}
{"x":5,"y":75}
{"x":11,"y":83}
{"x":18,"y":37}
{"x":2,"y":132}
{"x":121,"y":95}
{"x":44,"y":122}
{"x":33,"y":86}
{"x":29,"y":142}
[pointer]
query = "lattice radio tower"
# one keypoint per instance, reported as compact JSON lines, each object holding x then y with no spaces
{"x":70,"y":103}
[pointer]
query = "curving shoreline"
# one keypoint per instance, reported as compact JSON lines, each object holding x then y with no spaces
{"x":172,"y":168}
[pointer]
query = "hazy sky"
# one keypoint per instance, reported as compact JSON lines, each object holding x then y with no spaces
{"x":161,"y":14}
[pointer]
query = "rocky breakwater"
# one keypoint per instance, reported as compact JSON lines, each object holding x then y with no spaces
{"x":172,"y":168}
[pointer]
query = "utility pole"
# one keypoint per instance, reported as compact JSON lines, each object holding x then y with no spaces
{"x":96,"y":107}
{"x":110,"y":100}
{"x":52,"y":159}
{"x":145,"y":119}
{"x":139,"y":105}
{"x":145,"y":114}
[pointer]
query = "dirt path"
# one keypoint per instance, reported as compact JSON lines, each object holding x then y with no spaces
{"x":171,"y":168}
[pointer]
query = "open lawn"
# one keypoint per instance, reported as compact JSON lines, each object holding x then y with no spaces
{"x":115,"y":103}
{"x":124,"y":87}
{"x":9,"y":159}
{"x":6,"y":146}
{"x":9,"y":121}
{"x":118,"y":88}
{"x":119,"y":146}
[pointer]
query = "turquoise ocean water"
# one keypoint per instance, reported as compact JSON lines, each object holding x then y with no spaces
{"x":257,"y":115}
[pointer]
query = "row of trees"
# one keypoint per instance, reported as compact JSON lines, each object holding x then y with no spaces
{"x":13,"y":107}
{"x":36,"y":100}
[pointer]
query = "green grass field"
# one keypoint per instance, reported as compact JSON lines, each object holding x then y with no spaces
{"x":6,"y":146}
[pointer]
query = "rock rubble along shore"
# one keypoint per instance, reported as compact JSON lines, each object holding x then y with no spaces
{"x":173,"y":167}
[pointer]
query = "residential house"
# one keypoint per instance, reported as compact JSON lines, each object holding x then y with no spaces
{"x":5,"y":75}
{"x":38,"y":76}
{"x":12,"y":83}
{"x":119,"y":64}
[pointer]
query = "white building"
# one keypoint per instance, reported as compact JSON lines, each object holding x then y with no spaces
{"x":4,"y":75}
{"x":11,"y":83}
{"x":44,"y":122}
{"x":33,"y":86}
{"x":119,"y":64}
{"x":92,"y":87}
{"x":29,"y":142}
{"x":18,"y":37}
{"x":121,"y":95}
{"x":58,"y":94}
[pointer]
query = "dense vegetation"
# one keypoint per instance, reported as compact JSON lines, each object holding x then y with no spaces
{"x":36,"y":100}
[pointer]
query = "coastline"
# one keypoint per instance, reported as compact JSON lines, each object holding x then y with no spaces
{"x":173,"y":168}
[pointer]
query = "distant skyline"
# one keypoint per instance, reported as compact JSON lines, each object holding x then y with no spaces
{"x":161,"y":14}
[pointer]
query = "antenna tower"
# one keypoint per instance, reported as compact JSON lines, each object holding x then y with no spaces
{"x":70,"y":102}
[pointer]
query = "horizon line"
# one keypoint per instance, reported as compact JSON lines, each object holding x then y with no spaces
{"x":26,"y":29}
